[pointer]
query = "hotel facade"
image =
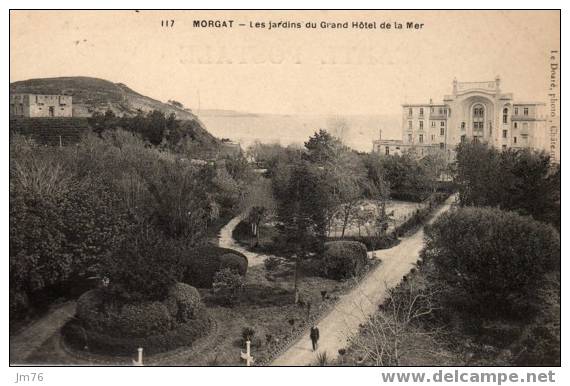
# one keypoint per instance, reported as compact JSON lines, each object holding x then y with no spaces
{"x":474,"y":111}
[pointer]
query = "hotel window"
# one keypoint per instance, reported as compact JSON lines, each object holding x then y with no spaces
{"x":462,"y":125}
{"x":431,"y":110}
{"x":525,"y":111}
{"x":432,"y":137}
{"x":442,"y":131}
{"x":387,"y":150}
{"x":421,"y":125}
{"x":409,"y":125}
{"x":442,"y":123}
{"x":505,"y":132}
{"x":432,"y":123}
{"x":410,"y":112}
{"x":440,"y":111}
{"x":421,"y":138}
{"x":421,"y":111}
{"x":478,"y":117}
{"x":441,"y":145}
{"x":516,"y":111}
{"x":463,"y":138}
{"x":505,"y":115}
{"x":409,"y":138}
{"x":514,"y":139}
{"x":525,"y":126}
{"x":516,"y":126}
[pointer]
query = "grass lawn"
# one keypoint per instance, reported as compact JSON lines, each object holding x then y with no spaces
{"x":402,"y":210}
{"x":267,"y":306}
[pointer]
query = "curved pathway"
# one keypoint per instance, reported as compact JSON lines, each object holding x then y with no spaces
{"x":33,"y":336}
{"x":356,"y":306}
{"x":226,"y":240}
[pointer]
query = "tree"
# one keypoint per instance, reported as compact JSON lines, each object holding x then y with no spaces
{"x":495,"y":259}
{"x":228,"y":284}
{"x":391,"y":332}
{"x":322,"y":147}
{"x":143,"y":267}
{"x":60,"y":226}
{"x":407,"y":177}
{"x":255,"y":217}
{"x":521,"y":180}
{"x":302,"y":201}
{"x":181,"y":205}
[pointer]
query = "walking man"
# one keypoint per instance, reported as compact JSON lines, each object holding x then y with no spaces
{"x":314,"y":336}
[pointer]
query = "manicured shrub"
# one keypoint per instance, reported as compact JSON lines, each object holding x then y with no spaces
{"x":372,"y":243}
{"x":227,"y":285}
{"x":234,"y":262}
{"x":202,"y":263}
{"x":344,"y":259}
{"x":184,"y":334}
{"x":138,"y":319}
{"x":129,"y":319}
{"x":184,"y":302}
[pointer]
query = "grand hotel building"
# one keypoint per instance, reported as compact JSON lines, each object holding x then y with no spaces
{"x":475,"y":111}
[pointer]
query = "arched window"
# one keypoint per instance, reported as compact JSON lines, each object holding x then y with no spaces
{"x":478,"y":117}
{"x":505,"y":115}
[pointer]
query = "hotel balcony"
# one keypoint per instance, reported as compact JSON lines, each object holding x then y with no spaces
{"x":523,"y":118}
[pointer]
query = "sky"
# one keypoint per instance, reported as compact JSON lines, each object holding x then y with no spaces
{"x":285,"y":70}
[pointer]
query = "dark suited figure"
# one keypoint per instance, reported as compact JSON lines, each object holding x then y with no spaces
{"x":314,"y":337}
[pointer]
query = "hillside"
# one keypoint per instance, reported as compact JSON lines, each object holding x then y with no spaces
{"x":93,"y":94}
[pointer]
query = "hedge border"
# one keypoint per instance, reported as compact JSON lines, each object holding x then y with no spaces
{"x":150,"y":359}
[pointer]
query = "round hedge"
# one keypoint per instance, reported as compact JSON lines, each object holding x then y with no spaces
{"x":234,"y":262}
{"x":184,"y":302}
{"x":202,"y":263}
{"x":184,"y":334}
{"x":344,"y":259}
{"x":136,"y":319}
{"x":113,"y":327}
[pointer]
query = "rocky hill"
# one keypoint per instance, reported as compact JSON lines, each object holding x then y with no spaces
{"x":93,"y":94}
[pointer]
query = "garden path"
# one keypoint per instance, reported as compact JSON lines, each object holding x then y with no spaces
{"x":226,"y":240}
{"x":32,"y":337}
{"x":356,"y":306}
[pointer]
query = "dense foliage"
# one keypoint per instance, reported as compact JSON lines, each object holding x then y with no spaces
{"x":201,"y":264}
{"x":521,"y":180}
{"x":495,"y":259}
{"x":113,"y":206}
{"x":408,"y":178}
{"x":121,"y":327}
{"x":344,"y":259}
